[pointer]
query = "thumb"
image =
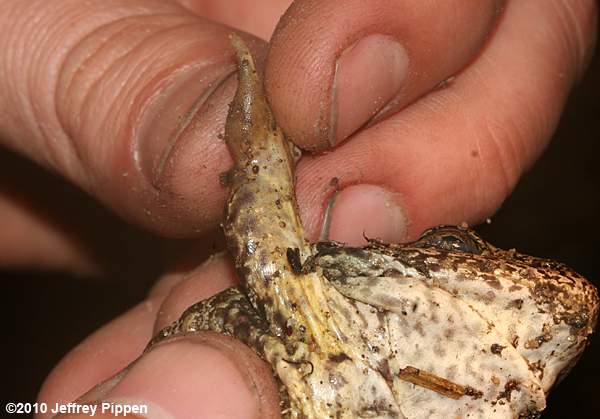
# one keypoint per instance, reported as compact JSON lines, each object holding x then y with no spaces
{"x":204,"y":375}
{"x":124,"y":98}
{"x":200,"y":375}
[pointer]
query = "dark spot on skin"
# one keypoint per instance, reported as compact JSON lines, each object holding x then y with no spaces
{"x":255,"y":169}
{"x":497,"y":349}
{"x":474,"y":153}
{"x":537,"y":368}
{"x":515,"y":341}
{"x":470,"y":391}
{"x":518,"y":304}
{"x":290,"y":348}
{"x":417,"y":261}
{"x":530,"y":412}
{"x":577,"y":320}
{"x":341,"y":357}
{"x":435,"y":267}
{"x":384,"y":369}
{"x":226,"y":178}
{"x":546,"y":336}
{"x":309,"y":265}
{"x":279,"y":319}
{"x":293,"y":257}
{"x":486,"y":266}
{"x":492,"y":281}
{"x":508,"y":388}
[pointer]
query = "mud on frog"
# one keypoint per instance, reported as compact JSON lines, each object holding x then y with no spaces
{"x":446,"y":326}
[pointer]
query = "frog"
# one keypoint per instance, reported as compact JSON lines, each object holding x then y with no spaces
{"x":444,"y":326}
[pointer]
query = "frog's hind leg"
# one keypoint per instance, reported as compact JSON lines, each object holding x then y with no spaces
{"x":228,"y":312}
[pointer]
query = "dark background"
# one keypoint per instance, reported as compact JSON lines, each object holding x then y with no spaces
{"x":553,"y":213}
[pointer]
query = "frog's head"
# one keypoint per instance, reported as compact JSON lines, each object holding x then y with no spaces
{"x":560,"y":300}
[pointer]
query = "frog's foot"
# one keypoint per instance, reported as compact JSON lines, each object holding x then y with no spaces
{"x":228,"y":312}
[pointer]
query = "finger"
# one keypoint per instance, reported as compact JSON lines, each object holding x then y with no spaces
{"x":123,"y":340}
{"x":204,"y":375}
{"x":124,"y":98}
{"x":333,"y":66}
{"x":258,"y":18}
{"x":456,"y":153}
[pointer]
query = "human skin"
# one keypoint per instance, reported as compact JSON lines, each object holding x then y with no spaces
{"x":95,"y":92}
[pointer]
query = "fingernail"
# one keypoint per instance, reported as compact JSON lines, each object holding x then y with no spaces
{"x":368,"y":75}
{"x":202,"y":375}
{"x":371,"y":211}
{"x":167,"y":118}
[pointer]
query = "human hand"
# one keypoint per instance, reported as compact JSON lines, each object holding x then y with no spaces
{"x":498,"y":104}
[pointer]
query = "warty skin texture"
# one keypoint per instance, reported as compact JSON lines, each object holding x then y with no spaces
{"x":447,"y":326}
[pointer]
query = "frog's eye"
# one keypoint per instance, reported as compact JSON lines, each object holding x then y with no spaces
{"x":452,"y":239}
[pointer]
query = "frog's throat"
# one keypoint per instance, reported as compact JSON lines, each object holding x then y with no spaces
{"x":262,"y":224}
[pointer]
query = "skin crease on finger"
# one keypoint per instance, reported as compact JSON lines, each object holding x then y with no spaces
{"x":84,"y":127}
{"x":92,"y":153}
{"x":104,"y":131}
{"x":48,"y":246}
{"x":176,"y":212}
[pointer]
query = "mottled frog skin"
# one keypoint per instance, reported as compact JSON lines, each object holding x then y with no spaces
{"x":445,"y":327}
